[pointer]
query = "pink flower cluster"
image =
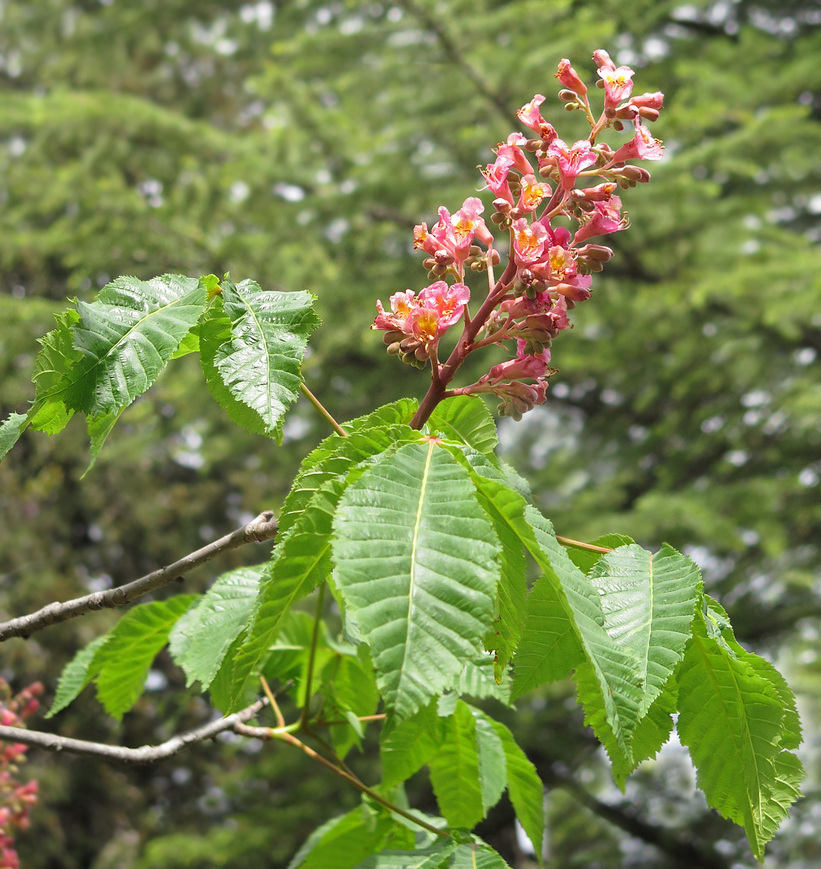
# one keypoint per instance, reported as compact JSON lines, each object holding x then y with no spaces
{"x":15,"y":799}
{"x":540,"y":185}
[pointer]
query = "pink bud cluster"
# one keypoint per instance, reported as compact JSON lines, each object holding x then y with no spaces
{"x":15,"y":799}
{"x":550,"y":199}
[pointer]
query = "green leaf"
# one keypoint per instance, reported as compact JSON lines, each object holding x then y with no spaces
{"x":476,"y":857}
{"x":122,"y":662}
{"x":492,"y":763}
{"x":584,"y":559}
{"x":478,"y":680}
{"x":344,"y":842}
{"x":524,"y":787}
{"x":417,"y":564}
{"x":436,"y":857}
{"x":454,"y":771}
{"x":299,"y":564}
{"x":399,"y":412}
{"x":648,"y":603}
{"x":407,"y":745}
{"x":98,"y":430}
{"x":731,"y":719}
{"x":57,"y":357}
{"x":126,"y":337}
{"x":260,"y":363}
{"x":335,"y":457}
{"x":75,"y":676}
{"x":619,"y":688}
{"x":550,"y":648}
{"x":189,"y":344}
{"x":465,"y":419}
{"x":200,"y":639}
{"x":10,"y":430}
{"x":215,"y":333}
{"x":221,"y":687}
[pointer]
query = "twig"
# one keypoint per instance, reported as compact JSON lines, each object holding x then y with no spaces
{"x":144,"y":754}
{"x":266,"y":733}
{"x":264,"y":527}
{"x":321,"y":408}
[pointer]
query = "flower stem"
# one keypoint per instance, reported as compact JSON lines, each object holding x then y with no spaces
{"x":318,"y":405}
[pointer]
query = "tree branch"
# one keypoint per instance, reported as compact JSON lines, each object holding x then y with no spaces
{"x":453,"y":51}
{"x":264,"y":527}
{"x":144,"y":754}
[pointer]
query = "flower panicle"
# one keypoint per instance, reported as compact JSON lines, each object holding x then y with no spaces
{"x":540,"y":184}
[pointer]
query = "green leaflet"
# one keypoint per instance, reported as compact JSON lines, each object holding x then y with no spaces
{"x":465,"y":419}
{"x":437,"y":856}
{"x":455,"y":771}
{"x":619,"y":688}
{"x":524,"y":787}
{"x":260,"y":362}
{"x":345,"y":841}
{"x":476,"y":857}
{"x":215,"y":332}
{"x":120,"y":659}
{"x":417,"y":564}
{"x":126,"y":337}
{"x":648,"y":603}
{"x":299,"y":564}
{"x":732,"y":720}
{"x":10,"y":430}
{"x":407,"y":745}
{"x":57,"y":357}
{"x":75,"y":676}
{"x":200,"y":640}
{"x":335,"y":457}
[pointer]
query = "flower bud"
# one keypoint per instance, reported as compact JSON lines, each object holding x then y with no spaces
{"x":526,"y":277}
{"x":596,"y":252}
{"x":428,"y":263}
{"x":496,"y":257}
{"x":391,"y":337}
{"x":497,"y":218}
{"x":567,"y":96}
{"x":439,"y":270}
{"x":502,"y":205}
{"x":394,"y":349}
{"x":571,"y":107}
{"x":421,"y":354}
{"x":531,"y":292}
{"x":409,"y":344}
{"x":533,"y":145}
{"x":649,"y":114}
{"x":618,"y":126}
{"x":442,"y":258}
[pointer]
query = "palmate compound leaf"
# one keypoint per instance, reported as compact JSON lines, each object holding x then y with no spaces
{"x":465,"y":419}
{"x":731,"y":717}
{"x":417,"y":563}
{"x":259,"y":363}
{"x":200,"y":640}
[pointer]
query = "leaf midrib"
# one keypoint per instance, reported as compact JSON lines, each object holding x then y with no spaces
{"x":264,"y":339}
{"x":414,"y":546}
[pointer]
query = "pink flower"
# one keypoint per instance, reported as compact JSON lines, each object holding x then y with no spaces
{"x":496,"y":179}
{"x":513,"y":152}
{"x":402,"y":305}
{"x":641,"y":147}
{"x":467,"y":224}
{"x":572,"y":161}
{"x":606,"y":218}
{"x":531,"y":117}
{"x":523,"y":366}
{"x":602,"y":59}
{"x":599,"y":193}
{"x":528,"y":241}
{"x":533,"y":193}
{"x":448,"y":302}
{"x":618,"y":84}
{"x":568,"y":77}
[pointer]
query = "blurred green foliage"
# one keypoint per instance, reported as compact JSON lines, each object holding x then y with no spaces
{"x":296,"y":143}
